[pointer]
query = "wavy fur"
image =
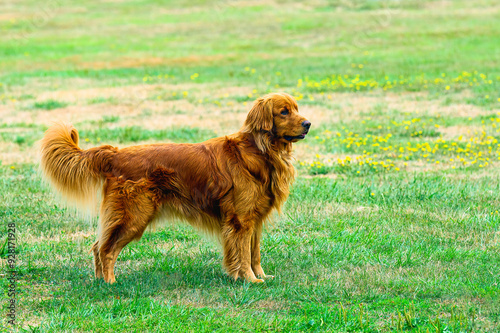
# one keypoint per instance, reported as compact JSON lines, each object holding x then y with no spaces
{"x":225,"y":186}
{"x":76,"y":174}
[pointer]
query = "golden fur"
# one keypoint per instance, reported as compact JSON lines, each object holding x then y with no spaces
{"x":226,"y":186}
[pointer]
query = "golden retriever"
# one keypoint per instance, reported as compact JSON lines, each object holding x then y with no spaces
{"x":226,"y":186}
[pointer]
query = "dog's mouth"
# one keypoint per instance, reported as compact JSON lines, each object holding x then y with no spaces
{"x":297,"y":137}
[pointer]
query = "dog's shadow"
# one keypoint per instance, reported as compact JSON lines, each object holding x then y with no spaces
{"x":79,"y":281}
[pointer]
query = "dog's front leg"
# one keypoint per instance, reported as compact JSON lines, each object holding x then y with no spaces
{"x":255,"y":253}
{"x":237,"y":238}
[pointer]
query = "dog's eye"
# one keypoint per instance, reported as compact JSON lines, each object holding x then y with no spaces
{"x":284,"y":111}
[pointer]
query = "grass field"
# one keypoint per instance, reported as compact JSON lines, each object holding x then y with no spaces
{"x":393,"y":223}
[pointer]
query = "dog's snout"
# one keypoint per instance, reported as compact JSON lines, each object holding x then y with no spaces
{"x":306,"y":124}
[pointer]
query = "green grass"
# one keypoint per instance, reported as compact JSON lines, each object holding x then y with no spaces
{"x":128,"y":134}
{"x":421,"y":242}
{"x":136,"y":134}
{"x":49,"y":105}
{"x":392,"y":224}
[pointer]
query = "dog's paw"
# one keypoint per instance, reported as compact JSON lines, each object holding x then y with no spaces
{"x":252,"y":279}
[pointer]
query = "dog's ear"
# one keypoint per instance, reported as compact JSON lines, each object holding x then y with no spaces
{"x":260,"y":123}
{"x":260,"y":117}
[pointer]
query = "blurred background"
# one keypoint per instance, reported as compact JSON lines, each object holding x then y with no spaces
{"x":158,"y":64}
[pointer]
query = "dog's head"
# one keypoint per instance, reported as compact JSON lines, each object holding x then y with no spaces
{"x":275,"y":117}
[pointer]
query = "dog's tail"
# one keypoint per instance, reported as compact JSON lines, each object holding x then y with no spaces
{"x":75,"y":173}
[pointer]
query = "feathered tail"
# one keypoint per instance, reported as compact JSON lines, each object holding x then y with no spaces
{"x":75,"y":173}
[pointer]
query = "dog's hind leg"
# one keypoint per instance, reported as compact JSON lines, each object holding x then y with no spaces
{"x":112,"y":246}
{"x":126,"y":211}
{"x":97,"y":260}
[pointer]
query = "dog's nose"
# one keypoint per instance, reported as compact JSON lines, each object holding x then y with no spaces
{"x":306,"y":124}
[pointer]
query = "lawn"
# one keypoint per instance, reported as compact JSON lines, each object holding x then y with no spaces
{"x":392,"y":225}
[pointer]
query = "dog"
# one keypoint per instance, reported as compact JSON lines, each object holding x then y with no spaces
{"x":226,"y":186}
